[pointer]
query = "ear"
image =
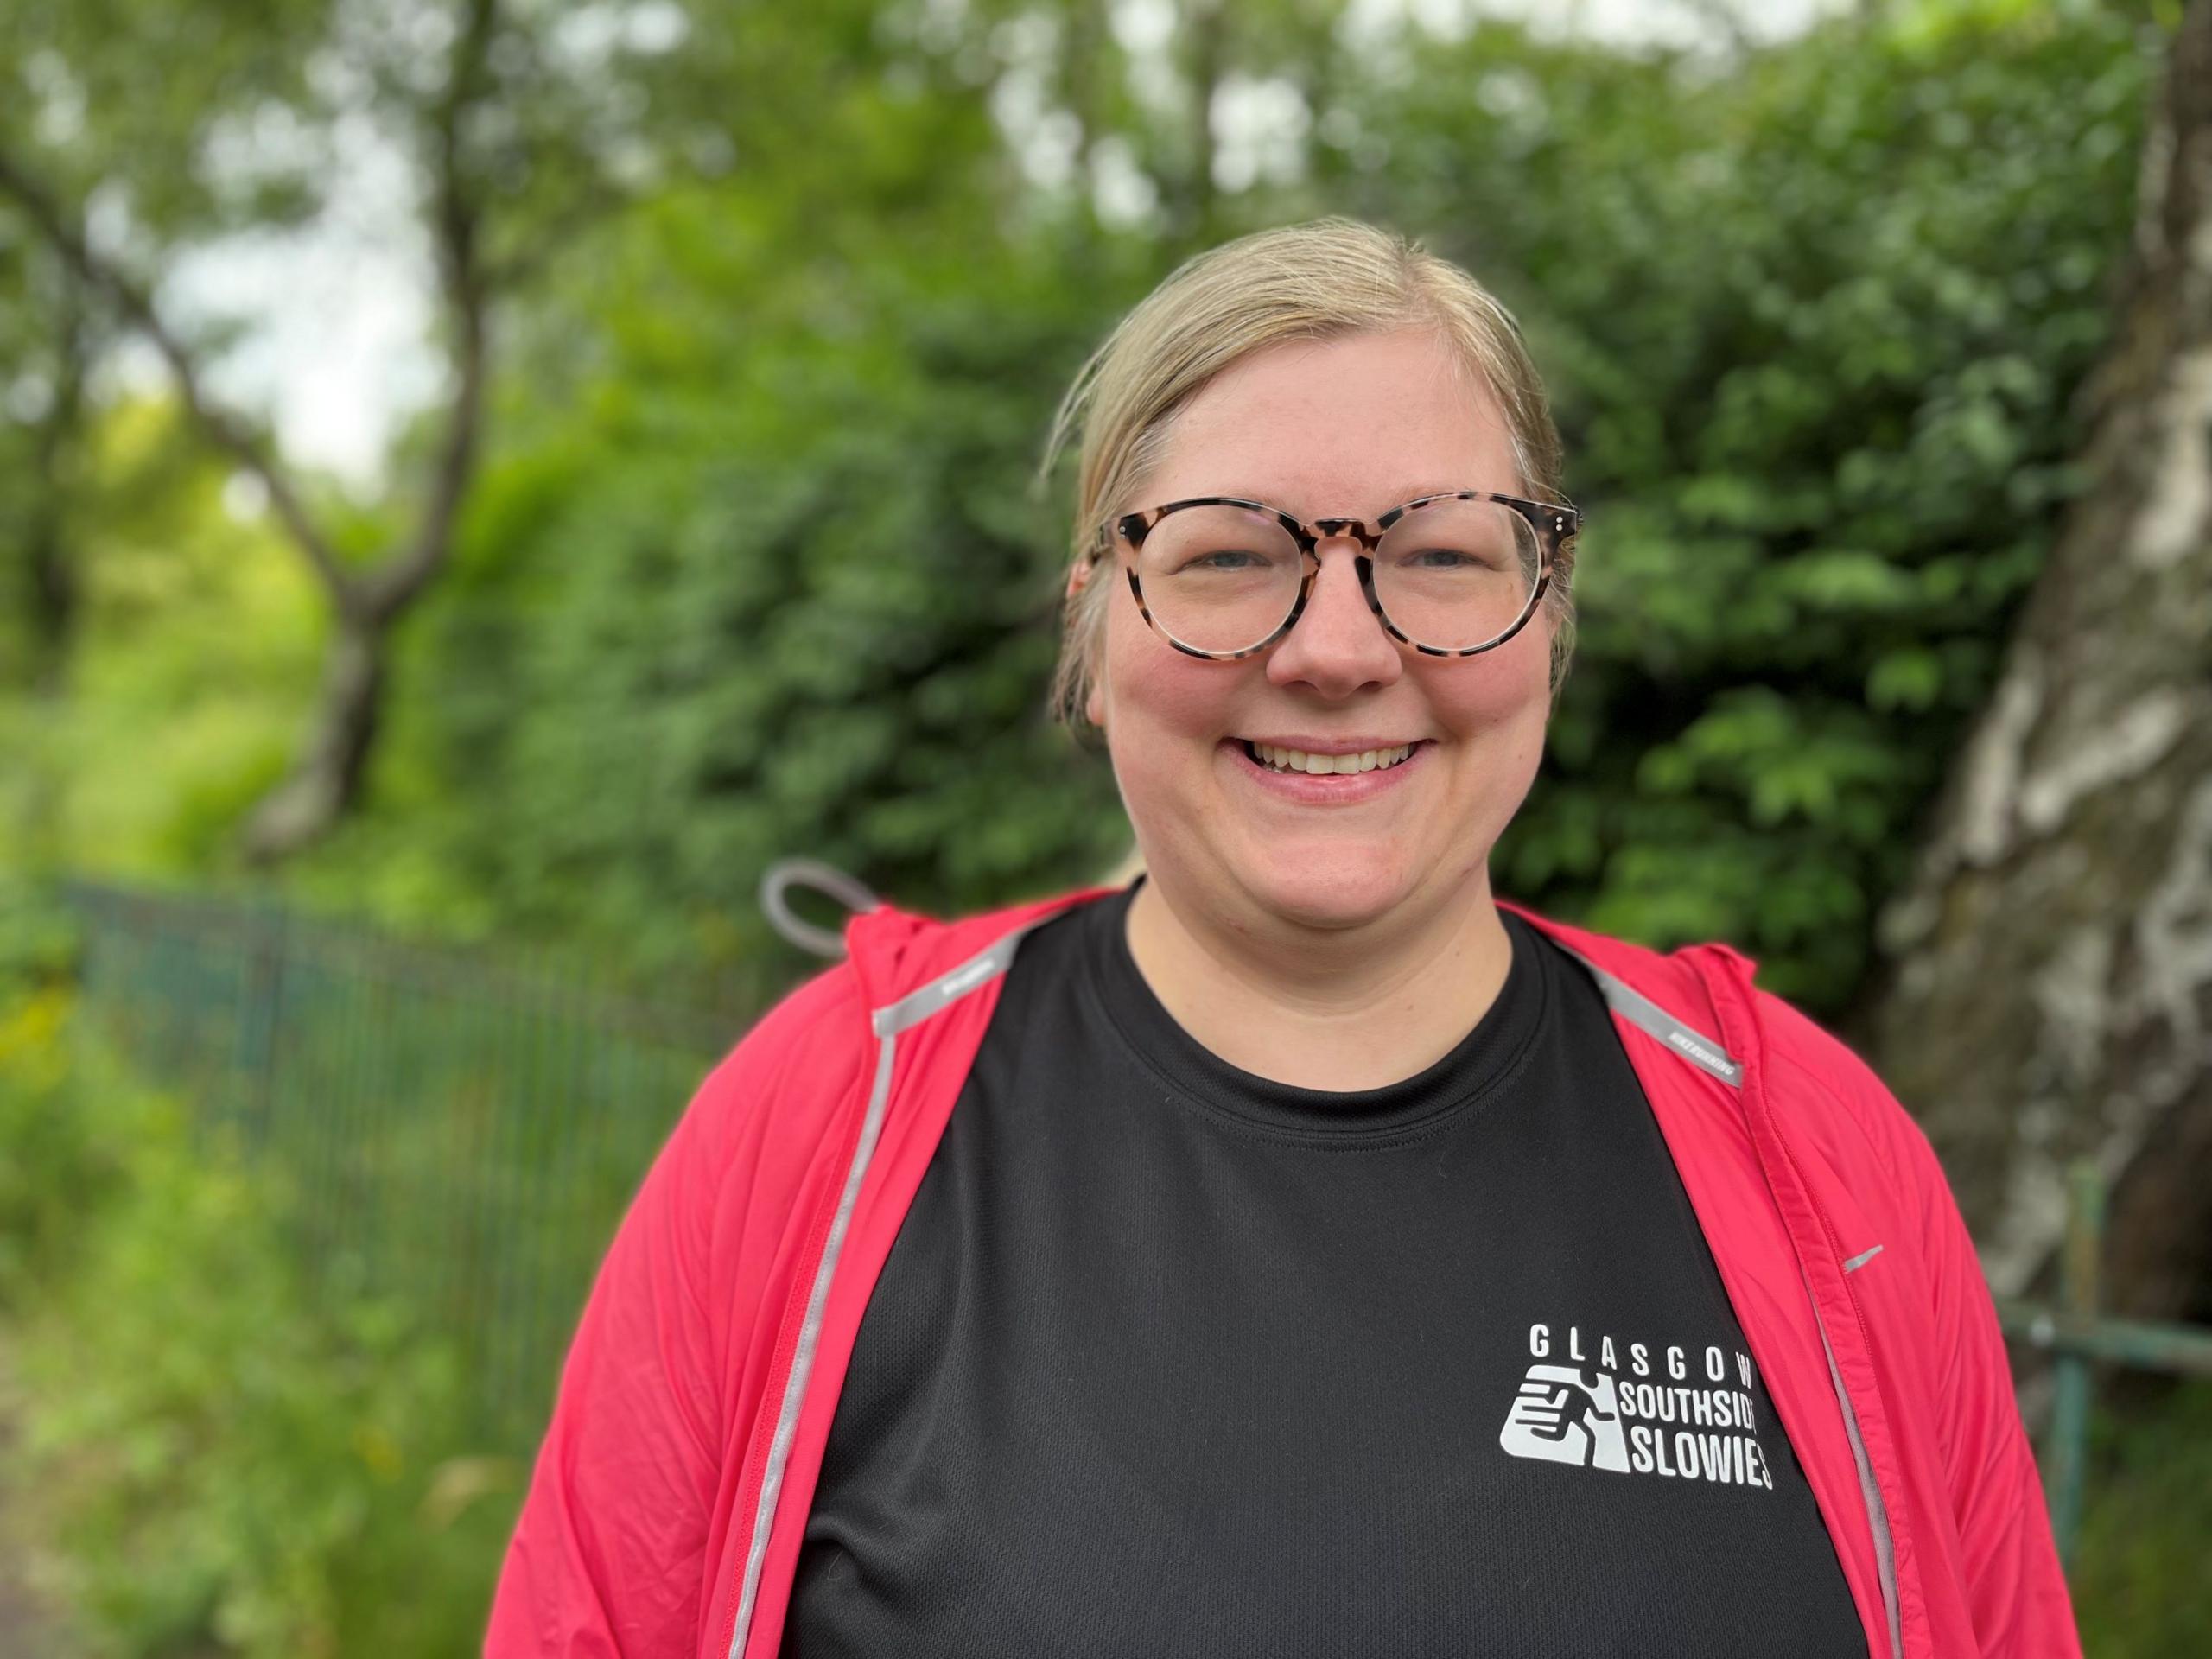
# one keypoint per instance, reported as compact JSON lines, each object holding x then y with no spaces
{"x":1079,"y":577}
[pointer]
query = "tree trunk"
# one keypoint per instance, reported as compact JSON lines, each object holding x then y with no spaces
{"x":1205,"y":53}
{"x":2047,"y":991}
{"x":55,"y":597}
{"x":326,"y":775}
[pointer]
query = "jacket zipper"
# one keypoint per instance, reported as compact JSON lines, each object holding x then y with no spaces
{"x":1878,"y":1513}
{"x":826,"y":1240}
{"x":1883,"y":1524}
{"x":774,"y":1394}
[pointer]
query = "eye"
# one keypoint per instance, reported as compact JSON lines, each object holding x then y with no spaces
{"x":1222,"y":559}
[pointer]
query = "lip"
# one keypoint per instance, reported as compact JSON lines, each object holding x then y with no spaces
{"x":1305,"y":744}
{"x":1328,"y":789}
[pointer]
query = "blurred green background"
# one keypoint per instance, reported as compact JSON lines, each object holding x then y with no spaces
{"x":707,"y":534}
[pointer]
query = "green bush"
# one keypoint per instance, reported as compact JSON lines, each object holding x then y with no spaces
{"x":2140,"y":1590}
{"x":51,"y":1171}
{"x":222,"y":1458}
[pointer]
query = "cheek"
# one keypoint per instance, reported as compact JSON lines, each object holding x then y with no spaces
{"x":1154,"y":688}
{"x":1474,"y":694}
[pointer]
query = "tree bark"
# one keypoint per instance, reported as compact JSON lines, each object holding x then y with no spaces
{"x":326,"y":772}
{"x":2047,"y":987}
{"x":52,"y":591}
{"x":1205,"y":54}
{"x":55,"y":594}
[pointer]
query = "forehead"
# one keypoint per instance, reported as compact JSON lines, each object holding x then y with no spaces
{"x":1351,"y":425}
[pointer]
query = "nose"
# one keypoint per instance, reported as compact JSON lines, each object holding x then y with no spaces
{"x":1338,"y":645}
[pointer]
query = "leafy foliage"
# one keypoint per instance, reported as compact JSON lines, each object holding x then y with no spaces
{"x":218,"y":1459}
{"x":2139,"y":1581}
{"x":790,"y":593}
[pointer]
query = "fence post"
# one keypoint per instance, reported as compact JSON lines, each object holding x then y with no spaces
{"x":261,"y":1010}
{"x":2069,"y":1423}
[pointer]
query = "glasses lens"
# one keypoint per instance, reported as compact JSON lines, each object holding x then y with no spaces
{"x":1454,"y":575}
{"x":1219,"y":578}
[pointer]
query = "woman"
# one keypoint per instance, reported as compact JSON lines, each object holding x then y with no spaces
{"x":1297,"y":1251}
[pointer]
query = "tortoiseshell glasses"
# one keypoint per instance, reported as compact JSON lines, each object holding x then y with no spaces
{"x":1451,"y":574}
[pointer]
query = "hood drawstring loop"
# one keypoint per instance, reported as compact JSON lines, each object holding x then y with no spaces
{"x":788,"y":873}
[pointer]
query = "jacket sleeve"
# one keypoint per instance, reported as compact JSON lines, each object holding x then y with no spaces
{"x":608,"y":1558}
{"x":2016,"y":1595}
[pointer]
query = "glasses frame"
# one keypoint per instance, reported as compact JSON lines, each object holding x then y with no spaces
{"x":1555,"y":525}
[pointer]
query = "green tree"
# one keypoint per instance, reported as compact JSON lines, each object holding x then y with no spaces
{"x":138,"y":132}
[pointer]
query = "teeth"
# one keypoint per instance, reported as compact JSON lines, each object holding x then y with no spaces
{"x":1298,"y":760}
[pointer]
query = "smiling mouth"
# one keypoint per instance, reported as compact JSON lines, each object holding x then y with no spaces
{"x":1288,"y":760}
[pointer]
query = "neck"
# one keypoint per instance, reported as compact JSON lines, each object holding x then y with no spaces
{"x":1334,"y":1008}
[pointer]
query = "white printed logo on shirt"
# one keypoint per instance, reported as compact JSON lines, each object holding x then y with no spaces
{"x":1566,"y":1416}
{"x":1668,"y":1411}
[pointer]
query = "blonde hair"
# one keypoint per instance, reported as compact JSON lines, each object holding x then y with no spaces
{"x":1322,"y":280}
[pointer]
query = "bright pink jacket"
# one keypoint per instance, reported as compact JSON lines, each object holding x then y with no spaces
{"x":664,"y":1514}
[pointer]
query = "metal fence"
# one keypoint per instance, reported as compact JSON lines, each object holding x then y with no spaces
{"x":458,"y":1133}
{"x":2080,"y":1341}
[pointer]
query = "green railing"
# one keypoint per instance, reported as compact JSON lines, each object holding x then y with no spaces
{"x":2080,"y":1341}
{"x":456,"y":1134}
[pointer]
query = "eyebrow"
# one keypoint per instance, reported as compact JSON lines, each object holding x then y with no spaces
{"x":1395,"y":500}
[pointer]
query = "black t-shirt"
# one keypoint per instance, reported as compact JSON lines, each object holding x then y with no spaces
{"x":1172,"y":1359}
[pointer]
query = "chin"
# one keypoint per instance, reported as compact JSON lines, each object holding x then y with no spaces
{"x":1336,"y":888}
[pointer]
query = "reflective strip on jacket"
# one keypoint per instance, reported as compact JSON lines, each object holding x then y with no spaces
{"x":666,"y":1506}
